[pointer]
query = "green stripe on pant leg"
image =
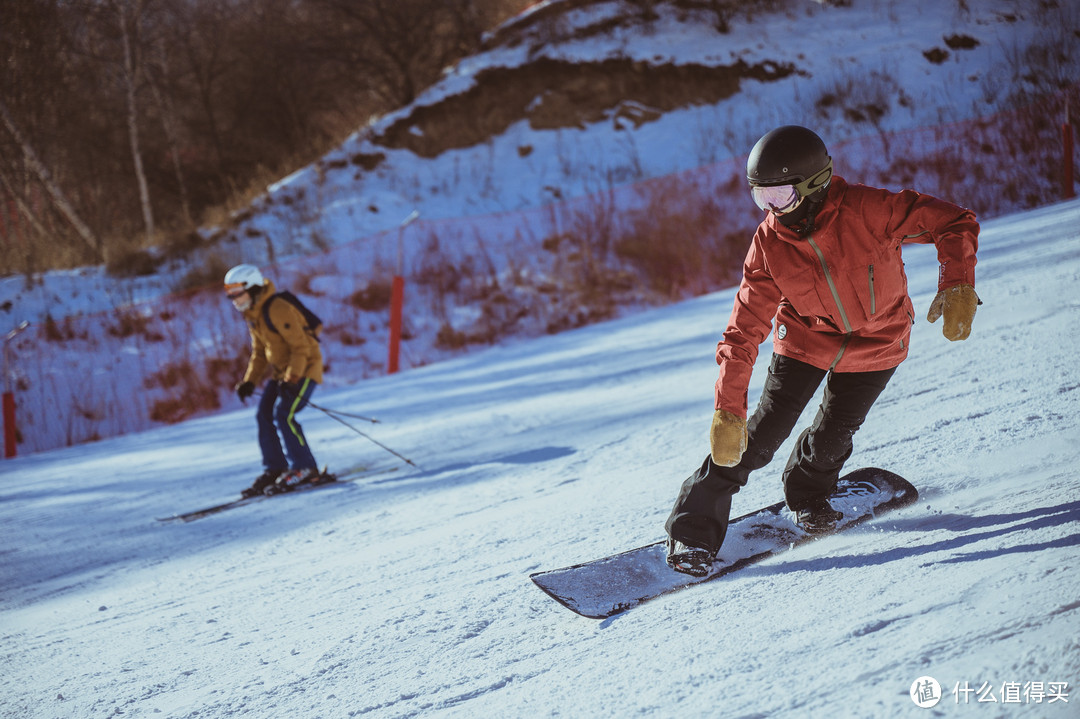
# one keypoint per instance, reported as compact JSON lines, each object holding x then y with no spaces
{"x":292,"y":411}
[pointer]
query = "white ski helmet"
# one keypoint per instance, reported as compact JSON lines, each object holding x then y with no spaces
{"x":243,"y":277}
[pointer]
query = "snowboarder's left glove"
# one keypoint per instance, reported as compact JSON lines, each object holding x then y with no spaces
{"x":727,"y":438}
{"x":958,"y":305}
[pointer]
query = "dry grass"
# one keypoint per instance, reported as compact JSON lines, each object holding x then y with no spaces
{"x":189,"y":390}
{"x":680,"y":241}
{"x":372,"y":297}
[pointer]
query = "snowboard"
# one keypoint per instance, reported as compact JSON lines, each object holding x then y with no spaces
{"x":605,"y":587}
{"x":326,"y":480}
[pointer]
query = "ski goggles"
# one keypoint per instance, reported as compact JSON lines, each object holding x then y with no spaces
{"x":782,"y":199}
{"x":778,"y":198}
{"x":239,"y":296}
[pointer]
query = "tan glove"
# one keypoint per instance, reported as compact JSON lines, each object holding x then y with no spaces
{"x":958,"y":305}
{"x":727,"y":438}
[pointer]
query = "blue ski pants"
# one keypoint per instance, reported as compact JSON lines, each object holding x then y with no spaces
{"x":276,"y":416}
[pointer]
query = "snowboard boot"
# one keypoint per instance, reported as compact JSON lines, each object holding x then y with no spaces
{"x":292,"y":479}
{"x":264,"y":480}
{"x":818,"y":517}
{"x":683,"y":558}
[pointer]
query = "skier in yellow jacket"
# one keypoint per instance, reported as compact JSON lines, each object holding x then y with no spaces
{"x":283,"y":342}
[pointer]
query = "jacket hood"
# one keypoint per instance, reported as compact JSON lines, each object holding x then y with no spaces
{"x":268,"y":291}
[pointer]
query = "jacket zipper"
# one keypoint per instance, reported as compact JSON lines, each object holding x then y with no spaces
{"x":873,"y":297}
{"x":836,"y":299}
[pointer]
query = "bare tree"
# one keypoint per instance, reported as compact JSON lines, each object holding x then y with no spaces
{"x":203,"y":96}
{"x":22,"y":203}
{"x":202,"y":41}
{"x":170,"y":124}
{"x":128,"y":19}
{"x":401,"y":45}
{"x":43,"y":174}
{"x":18,"y":246}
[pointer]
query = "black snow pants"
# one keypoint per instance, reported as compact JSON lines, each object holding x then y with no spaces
{"x":702,"y":510}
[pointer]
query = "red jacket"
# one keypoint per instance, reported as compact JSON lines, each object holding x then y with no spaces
{"x":839,"y":295}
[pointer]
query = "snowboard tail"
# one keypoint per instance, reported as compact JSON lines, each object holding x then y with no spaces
{"x":604,"y":587}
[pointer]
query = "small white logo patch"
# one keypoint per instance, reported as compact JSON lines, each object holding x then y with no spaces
{"x":781,"y":332}
{"x":925,"y":692}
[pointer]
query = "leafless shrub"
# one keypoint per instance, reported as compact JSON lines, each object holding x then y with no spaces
{"x":189,"y":391}
{"x":209,"y":273}
{"x":130,"y":322}
{"x":346,"y":336}
{"x":1034,"y":65}
{"x":582,"y":239}
{"x":134,"y":263}
{"x":450,"y":281}
{"x":859,"y":97}
{"x":58,"y":331}
{"x":679,"y":240}
{"x":372,"y":297}
{"x":448,"y":338}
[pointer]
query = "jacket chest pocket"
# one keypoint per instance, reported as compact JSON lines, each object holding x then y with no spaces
{"x":803,"y":292}
{"x":879,"y":282}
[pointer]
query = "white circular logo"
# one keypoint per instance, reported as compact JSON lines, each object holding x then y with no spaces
{"x":781,"y":332}
{"x":925,"y":692}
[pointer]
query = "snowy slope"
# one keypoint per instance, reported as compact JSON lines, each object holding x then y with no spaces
{"x":406,"y":593}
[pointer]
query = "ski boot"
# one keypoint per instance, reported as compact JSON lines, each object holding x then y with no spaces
{"x":292,"y":479}
{"x":264,"y":480}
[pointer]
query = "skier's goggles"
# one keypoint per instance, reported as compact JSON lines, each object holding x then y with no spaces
{"x":784,"y":198}
{"x":234,"y":290}
{"x":778,"y":198}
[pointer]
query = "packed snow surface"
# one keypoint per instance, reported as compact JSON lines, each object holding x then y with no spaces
{"x":406,"y":592}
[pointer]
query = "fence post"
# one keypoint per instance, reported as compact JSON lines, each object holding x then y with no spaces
{"x":9,"y":425}
{"x":1067,"y":171}
{"x":397,"y":298}
{"x":10,"y":435}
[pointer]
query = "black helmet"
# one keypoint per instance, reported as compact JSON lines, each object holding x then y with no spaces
{"x":790,"y":155}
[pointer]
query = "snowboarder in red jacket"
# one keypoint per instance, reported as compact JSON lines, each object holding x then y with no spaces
{"x":824,"y":272}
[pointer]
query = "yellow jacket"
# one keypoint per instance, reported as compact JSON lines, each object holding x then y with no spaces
{"x":292,"y":352}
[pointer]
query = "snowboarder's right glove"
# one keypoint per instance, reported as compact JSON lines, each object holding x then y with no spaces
{"x":958,"y":305}
{"x":727,"y":438}
{"x":245,"y":390}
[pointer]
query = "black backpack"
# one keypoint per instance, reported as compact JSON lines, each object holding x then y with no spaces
{"x":312,"y":321}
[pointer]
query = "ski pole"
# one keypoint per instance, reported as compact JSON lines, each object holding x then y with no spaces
{"x":370,"y":439}
{"x":333,"y":414}
{"x":329,"y":411}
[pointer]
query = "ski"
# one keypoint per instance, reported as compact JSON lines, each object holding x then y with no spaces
{"x":333,"y":480}
{"x":604,"y":587}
